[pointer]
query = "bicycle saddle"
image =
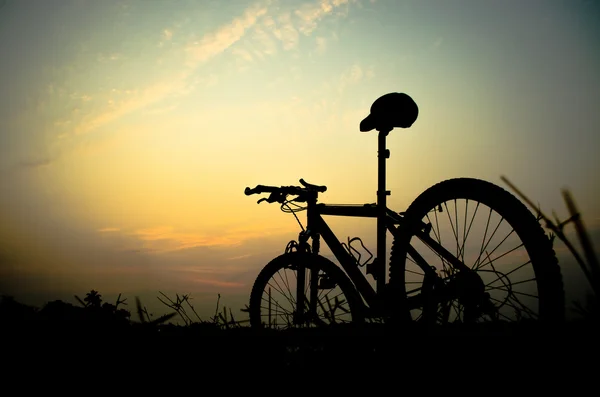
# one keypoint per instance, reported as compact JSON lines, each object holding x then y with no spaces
{"x":391,"y":110}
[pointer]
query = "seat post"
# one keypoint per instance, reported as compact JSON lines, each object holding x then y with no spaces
{"x":382,"y":155}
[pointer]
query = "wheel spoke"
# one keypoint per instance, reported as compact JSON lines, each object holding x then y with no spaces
{"x":490,"y":261}
{"x":499,"y":244}
{"x":512,"y":271}
{"x":413,"y":272}
{"x":454,"y":231}
{"x":495,"y":236}
{"x":278,"y":288}
{"x":445,"y":263}
{"x":276,"y":303}
{"x":287,"y":284}
{"x":470,"y":226}
{"x":484,"y":247}
{"x":326,"y":300}
{"x":513,"y":283}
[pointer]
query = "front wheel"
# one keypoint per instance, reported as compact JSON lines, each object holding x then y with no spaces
{"x":512,"y":275}
{"x":303,"y":290}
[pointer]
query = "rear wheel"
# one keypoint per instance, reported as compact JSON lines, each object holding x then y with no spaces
{"x":330,"y":298}
{"x":500,"y":241}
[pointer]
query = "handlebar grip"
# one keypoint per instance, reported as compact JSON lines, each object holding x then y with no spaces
{"x":320,"y":189}
{"x":260,"y":189}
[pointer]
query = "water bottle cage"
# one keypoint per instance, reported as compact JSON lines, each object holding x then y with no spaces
{"x":352,"y":251}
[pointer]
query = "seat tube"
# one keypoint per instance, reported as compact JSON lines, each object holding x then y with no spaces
{"x":382,"y":154}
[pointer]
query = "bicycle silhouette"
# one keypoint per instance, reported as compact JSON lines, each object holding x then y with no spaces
{"x":442,"y":269}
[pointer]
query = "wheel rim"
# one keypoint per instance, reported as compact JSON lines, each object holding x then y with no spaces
{"x":325,"y":306}
{"x":488,"y":244}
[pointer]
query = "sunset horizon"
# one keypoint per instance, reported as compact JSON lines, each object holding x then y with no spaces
{"x":129,"y":130}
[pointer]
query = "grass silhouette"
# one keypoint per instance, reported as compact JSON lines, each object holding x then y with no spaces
{"x":92,"y":335}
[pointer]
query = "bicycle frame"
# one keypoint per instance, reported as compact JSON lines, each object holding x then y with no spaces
{"x":387,"y":220}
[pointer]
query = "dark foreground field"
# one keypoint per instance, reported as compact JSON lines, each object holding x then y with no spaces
{"x":81,"y":339}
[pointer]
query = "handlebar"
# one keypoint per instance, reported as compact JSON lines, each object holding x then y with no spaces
{"x":278,"y":193}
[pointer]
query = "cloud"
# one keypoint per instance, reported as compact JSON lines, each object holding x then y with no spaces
{"x":81,"y":97}
{"x":166,"y":239}
{"x":238,"y":257}
{"x":265,"y":30}
{"x":243,"y":54}
{"x":328,"y":97}
{"x":40,"y":163}
{"x":165,"y":37}
{"x":310,"y":14}
{"x":288,"y":26}
{"x":108,"y":229}
{"x":267,"y":45}
{"x":108,"y":57}
{"x":283,"y":30}
{"x":215,"y":43}
{"x":353,"y":75}
{"x":216,"y":283}
{"x":137,"y":101}
{"x":196,"y":53}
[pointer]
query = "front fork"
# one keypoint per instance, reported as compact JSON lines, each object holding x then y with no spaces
{"x":306,"y":309}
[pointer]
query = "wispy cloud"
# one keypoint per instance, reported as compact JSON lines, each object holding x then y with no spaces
{"x":196,"y":53}
{"x":80,"y":97}
{"x":216,"y":42}
{"x":310,"y":14}
{"x":235,"y":258}
{"x":135,"y":102}
{"x":264,"y":42}
{"x":165,"y":239}
{"x":355,"y":74}
{"x":108,"y":230}
{"x":283,"y":30}
{"x":39,"y":163}
{"x":165,"y":37}
{"x":243,"y":54}
{"x":255,"y":24}
{"x":216,"y":283}
{"x":167,"y":34}
{"x":108,"y":57}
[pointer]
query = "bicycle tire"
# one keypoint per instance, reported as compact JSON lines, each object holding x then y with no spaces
{"x":328,"y":272}
{"x":550,"y":306}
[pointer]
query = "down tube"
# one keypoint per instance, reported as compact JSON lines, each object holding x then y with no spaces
{"x":359,"y":280}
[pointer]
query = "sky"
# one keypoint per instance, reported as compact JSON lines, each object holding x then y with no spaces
{"x":129,"y":129}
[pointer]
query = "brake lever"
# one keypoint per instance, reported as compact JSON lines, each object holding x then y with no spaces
{"x":273,"y":197}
